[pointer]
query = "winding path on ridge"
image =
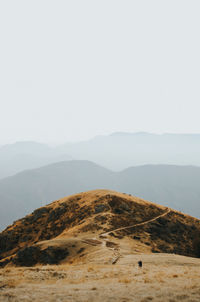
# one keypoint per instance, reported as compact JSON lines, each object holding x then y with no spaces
{"x":116,"y":250}
{"x":138,"y":224}
{"x":117,"y":255}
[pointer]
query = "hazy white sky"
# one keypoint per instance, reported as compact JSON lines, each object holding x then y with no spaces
{"x":75,"y":69}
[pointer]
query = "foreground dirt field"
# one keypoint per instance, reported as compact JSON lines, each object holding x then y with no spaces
{"x":163,"y":277}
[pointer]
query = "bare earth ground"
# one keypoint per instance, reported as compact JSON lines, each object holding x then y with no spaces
{"x":164,"y":277}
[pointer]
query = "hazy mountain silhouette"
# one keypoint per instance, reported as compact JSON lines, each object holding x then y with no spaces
{"x":174,"y":186}
{"x":20,"y":156}
{"x":116,"y":152}
{"x":122,"y":150}
{"x":27,"y":190}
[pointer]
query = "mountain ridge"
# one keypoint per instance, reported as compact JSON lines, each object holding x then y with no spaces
{"x":95,"y":221}
{"x":173,"y":186}
{"x":116,"y":151}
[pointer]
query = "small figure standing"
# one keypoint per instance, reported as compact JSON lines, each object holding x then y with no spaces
{"x":140,"y":263}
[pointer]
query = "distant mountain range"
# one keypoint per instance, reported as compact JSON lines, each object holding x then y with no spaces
{"x":173,"y":186}
{"x":122,"y":150}
{"x":21,"y":156}
{"x":117,"y":151}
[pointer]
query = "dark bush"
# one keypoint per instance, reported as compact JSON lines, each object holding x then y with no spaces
{"x":32,"y":255}
{"x":196,"y":245}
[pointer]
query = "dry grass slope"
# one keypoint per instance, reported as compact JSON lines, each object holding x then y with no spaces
{"x":71,"y":229}
{"x":164,"y":277}
{"x":86,"y":247}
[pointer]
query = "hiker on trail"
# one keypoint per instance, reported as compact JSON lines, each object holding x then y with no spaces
{"x":140,"y":263}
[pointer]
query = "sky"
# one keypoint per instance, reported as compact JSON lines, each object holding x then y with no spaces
{"x":71,"y":70}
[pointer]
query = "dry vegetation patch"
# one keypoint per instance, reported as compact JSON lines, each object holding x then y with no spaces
{"x":162,"y":278}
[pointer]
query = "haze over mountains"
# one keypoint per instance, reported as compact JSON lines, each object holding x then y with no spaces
{"x":20,"y":156}
{"x":122,"y":150}
{"x":116,"y":151}
{"x":173,"y":186}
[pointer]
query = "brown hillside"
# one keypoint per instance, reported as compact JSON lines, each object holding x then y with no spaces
{"x":100,"y":226}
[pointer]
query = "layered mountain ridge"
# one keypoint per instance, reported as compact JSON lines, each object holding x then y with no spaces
{"x":120,"y":151}
{"x":173,"y":186}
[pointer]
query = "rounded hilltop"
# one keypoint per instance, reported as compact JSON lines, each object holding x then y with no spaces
{"x":101,"y":222}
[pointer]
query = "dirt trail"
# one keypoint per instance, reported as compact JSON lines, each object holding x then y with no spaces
{"x":138,"y":224}
{"x":117,"y":254}
{"x":116,"y":250}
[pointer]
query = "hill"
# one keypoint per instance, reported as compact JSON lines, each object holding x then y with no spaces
{"x":172,"y":186}
{"x":22,"y":193}
{"x":85,"y":226}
